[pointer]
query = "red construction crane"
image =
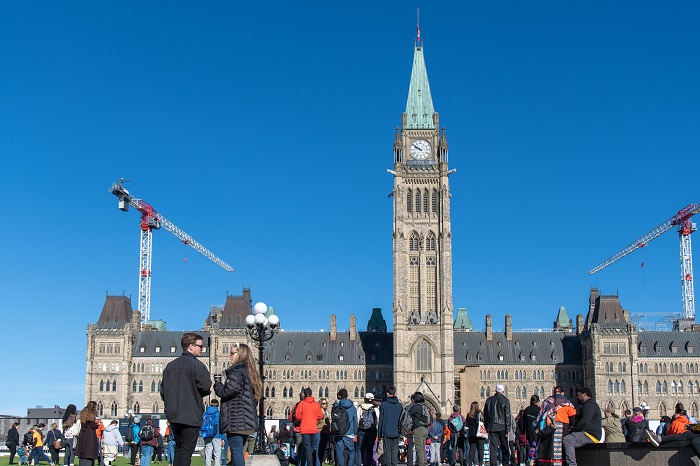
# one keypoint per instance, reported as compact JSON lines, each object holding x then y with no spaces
{"x":150,"y":220}
{"x":685,"y":228}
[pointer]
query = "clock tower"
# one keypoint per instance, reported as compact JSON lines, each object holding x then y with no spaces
{"x":422,"y":254}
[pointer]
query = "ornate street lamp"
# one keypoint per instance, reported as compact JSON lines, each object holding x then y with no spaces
{"x":260,"y":330}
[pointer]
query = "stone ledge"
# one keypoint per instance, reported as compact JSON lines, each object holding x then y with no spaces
{"x":629,"y":454}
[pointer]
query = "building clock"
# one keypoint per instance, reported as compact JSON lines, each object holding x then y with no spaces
{"x":420,"y":149}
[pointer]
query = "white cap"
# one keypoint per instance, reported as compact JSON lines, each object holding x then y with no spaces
{"x":369,"y":396}
{"x":500,"y":388}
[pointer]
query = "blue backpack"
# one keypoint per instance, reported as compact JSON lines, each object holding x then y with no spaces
{"x":209,"y":427}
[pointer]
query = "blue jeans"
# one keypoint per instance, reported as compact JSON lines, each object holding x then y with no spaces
{"x":171,"y":451}
{"x":146,"y":452}
{"x":343,"y":444}
{"x":236,"y":442}
{"x":39,"y":455}
{"x":358,"y":448}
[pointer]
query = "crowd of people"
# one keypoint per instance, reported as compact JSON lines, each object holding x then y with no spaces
{"x":347,"y":433}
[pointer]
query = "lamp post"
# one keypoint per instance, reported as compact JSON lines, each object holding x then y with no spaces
{"x":260,"y":330}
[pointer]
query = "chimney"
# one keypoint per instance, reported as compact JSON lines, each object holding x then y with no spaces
{"x":353,"y":330}
{"x":334,"y":329}
{"x":579,"y":324}
{"x":489,"y":330}
{"x":509,"y":327}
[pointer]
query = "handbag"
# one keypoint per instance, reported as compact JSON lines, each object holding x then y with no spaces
{"x":57,"y":444}
{"x":481,"y":430}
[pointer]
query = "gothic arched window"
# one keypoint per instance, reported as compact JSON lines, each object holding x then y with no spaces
{"x":113,"y":409}
{"x":434,"y":202}
{"x":425,"y":201}
{"x":424,"y":357}
{"x":413,"y":242}
{"x":417,"y":201}
{"x":409,"y":201}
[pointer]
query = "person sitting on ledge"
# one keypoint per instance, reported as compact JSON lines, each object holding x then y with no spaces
{"x":692,"y":434}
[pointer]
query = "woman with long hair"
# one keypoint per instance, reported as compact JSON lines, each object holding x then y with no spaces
{"x":420,"y":427}
{"x":476,"y":444}
{"x":239,"y":397}
{"x":88,"y":449}
{"x":69,"y":419}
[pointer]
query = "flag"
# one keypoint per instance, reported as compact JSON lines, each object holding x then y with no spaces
{"x":418,"y":32}
{"x":642,"y":264}
{"x":185,"y":260}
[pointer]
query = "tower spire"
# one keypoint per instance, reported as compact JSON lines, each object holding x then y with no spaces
{"x":419,"y":107}
{"x":418,"y":40}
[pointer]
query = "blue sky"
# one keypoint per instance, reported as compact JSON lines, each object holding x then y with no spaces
{"x":264,"y":130}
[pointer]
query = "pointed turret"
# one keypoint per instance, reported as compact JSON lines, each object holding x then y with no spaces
{"x":563,"y":321}
{"x":376,"y":321}
{"x":419,"y":107}
{"x":463,"y":322}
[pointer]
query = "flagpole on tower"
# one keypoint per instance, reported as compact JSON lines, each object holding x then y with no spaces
{"x":418,"y":41}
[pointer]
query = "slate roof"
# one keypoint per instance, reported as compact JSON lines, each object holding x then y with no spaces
{"x":149,"y":341}
{"x":546,"y":347}
{"x":116,"y":312}
{"x":687,"y":344}
{"x":236,"y":309}
{"x":316,"y":348}
{"x":606,"y":311}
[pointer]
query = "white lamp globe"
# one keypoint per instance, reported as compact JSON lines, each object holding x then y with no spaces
{"x":274,"y":320}
{"x":250,"y":319}
{"x":259,"y":318}
{"x":260,"y":308}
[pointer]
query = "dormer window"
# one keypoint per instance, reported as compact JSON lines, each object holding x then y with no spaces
{"x":157,"y":349}
{"x":657,"y":347}
{"x":500,"y":356}
{"x":689,"y":347}
{"x":173,"y":349}
{"x":674,"y":347}
{"x":142,"y":349}
{"x":643,"y":348}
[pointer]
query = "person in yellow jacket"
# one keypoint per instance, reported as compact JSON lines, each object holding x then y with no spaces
{"x":38,"y":444}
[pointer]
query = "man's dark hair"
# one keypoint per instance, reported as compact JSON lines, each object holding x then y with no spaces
{"x":342,"y":394}
{"x":679,"y":408}
{"x":214,"y":402}
{"x":418,"y":397}
{"x":534,"y":399}
{"x":585,"y":391}
{"x":188,"y":339}
{"x":391,"y":391}
{"x":558,"y":389}
{"x":41,"y":425}
{"x":307,"y":391}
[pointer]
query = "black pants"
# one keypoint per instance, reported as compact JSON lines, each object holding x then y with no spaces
{"x":498,"y":440}
{"x":134,"y":450}
{"x":476,"y":450}
{"x":54,"y":454}
{"x":691,"y":436}
{"x":185,"y":442}
{"x":391,"y":451}
{"x":13,"y":452}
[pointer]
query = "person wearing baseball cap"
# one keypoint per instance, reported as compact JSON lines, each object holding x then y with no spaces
{"x":497,"y":417}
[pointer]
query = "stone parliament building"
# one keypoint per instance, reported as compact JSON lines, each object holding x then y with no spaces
{"x":432,"y":349}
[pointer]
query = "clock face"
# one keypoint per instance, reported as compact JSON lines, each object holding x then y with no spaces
{"x":420,"y":149}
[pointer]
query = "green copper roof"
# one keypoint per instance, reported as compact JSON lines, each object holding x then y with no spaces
{"x":376,"y":321}
{"x":419,"y":107}
{"x":563,"y":320}
{"x":463,"y":321}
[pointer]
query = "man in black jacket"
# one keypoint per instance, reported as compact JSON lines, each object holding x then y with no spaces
{"x":588,"y":427}
{"x":497,"y":418}
{"x":185,"y":382}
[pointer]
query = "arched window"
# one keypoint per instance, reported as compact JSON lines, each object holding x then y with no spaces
{"x":425,"y":201}
{"x":664,"y":387}
{"x":662,"y":409}
{"x":291,"y":392}
{"x":435,"y":201}
{"x":269,"y":413}
{"x":610,"y":386}
{"x":483,"y":392}
{"x":267,"y":392}
{"x":413,"y":242}
{"x":357,"y":392}
{"x":417,"y":201}
{"x":424,"y":357}
{"x":430,"y":242}
{"x":320,"y":392}
{"x":284,"y":392}
{"x":133,"y":386}
{"x":362,"y":391}
{"x":100,"y":410}
{"x":153,"y":386}
{"x":524,"y":392}
{"x":141,"y":386}
{"x":409,"y":201}
{"x":623,"y":387}
{"x":658,"y":387}
{"x":646,"y":387}
{"x":326,"y":392}
{"x":272,"y":392}
{"x":137,"y":408}
{"x":517,"y":392}
{"x":155,"y":408}
{"x":113,"y":409}
{"x":102,"y":385}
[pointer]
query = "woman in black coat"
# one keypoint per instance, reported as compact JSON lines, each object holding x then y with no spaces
{"x":88,"y":449}
{"x":239,"y":397}
{"x":12,"y":441}
{"x":69,"y":419}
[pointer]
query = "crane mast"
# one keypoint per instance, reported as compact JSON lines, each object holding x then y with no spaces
{"x":150,"y":220}
{"x":685,"y":229}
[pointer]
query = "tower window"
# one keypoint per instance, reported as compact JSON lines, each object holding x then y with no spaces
{"x":424,"y":357}
{"x":434,"y":202}
{"x":430,"y":243}
{"x":413,"y":242}
{"x":417,"y":201}
{"x":425,"y":201}
{"x":409,"y":201}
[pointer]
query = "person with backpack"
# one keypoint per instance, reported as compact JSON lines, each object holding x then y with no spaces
{"x":344,"y":428}
{"x":388,"y":427}
{"x":368,"y":416}
{"x":148,"y":440}
{"x":455,"y":424}
{"x":420,"y":417}
{"x":132,"y":438}
{"x":211,"y":435}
